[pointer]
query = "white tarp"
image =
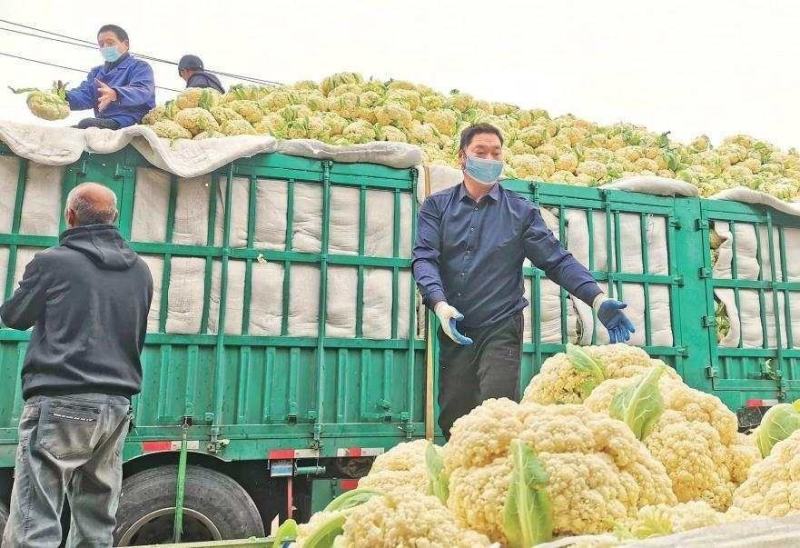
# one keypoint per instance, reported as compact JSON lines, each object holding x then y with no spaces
{"x":757,"y":533}
{"x":753,"y":263}
{"x":59,"y":146}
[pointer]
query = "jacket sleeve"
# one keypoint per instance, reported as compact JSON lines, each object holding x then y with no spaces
{"x":27,"y":303}
{"x":85,"y":95}
{"x":140,"y":90}
{"x":426,"y":253}
{"x":545,"y":252}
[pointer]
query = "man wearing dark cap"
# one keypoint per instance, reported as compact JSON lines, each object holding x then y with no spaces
{"x":190,"y":68}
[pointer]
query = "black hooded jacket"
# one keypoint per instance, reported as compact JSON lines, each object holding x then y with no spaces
{"x":88,"y":300}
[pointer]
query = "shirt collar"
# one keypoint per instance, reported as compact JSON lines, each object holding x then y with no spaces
{"x":119,"y":61}
{"x":494,"y":193}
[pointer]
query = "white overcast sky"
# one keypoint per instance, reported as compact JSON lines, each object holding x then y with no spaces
{"x":690,"y":66}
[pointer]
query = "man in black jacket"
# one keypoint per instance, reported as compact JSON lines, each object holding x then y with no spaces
{"x":87,"y":300}
{"x":190,"y":68}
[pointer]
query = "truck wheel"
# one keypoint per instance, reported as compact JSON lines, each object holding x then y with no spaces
{"x":215,"y":508}
{"x":3,"y":520}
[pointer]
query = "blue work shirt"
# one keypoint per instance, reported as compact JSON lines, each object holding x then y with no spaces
{"x":133,"y":81}
{"x":470,"y":254}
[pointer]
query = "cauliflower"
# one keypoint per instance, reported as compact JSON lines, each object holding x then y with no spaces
{"x":278,"y":99}
{"x":223,"y":114}
{"x":335,"y":80}
{"x":445,"y":120}
{"x":198,"y":97}
{"x":237,"y":127}
{"x":247,"y":109}
{"x":196,"y":120}
{"x":568,"y":378}
{"x":662,"y":519}
{"x":433,"y":102}
{"x":170,"y":130}
{"x":695,"y":438}
{"x":582,"y":152}
{"x":272,"y":124}
{"x":47,"y":105}
{"x":334,"y":124}
{"x":155,"y":115}
{"x":241,"y":92}
{"x":772,"y":487}
{"x":403,"y":518}
{"x":345,"y":105}
{"x":391,"y":133}
{"x":359,"y":132}
{"x":461,"y":102}
{"x":407,"y":98}
{"x":567,"y":162}
{"x":599,"y":473}
{"x":406,"y":520}
{"x":295,"y":112}
{"x":394,"y":114}
{"x":403,"y":466}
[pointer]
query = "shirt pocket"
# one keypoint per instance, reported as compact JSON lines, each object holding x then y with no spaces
{"x":67,"y":429}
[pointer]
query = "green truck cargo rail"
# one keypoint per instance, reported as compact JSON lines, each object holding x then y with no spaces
{"x":296,"y":419}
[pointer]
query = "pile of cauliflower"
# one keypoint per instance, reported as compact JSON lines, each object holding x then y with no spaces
{"x":607,"y":444}
{"x":346,"y":109}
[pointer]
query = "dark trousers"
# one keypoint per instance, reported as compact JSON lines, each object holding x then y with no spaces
{"x":102,"y":123}
{"x":488,"y":368}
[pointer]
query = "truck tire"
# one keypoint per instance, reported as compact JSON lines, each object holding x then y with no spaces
{"x":215,"y":508}
{"x":3,"y":520}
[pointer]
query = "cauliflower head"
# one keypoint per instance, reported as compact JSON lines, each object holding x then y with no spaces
{"x":772,"y":487}
{"x":695,"y":438}
{"x":560,"y":381}
{"x":402,"y":467}
{"x":599,"y":473}
{"x":406,"y":519}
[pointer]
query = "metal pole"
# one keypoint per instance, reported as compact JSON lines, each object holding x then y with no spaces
{"x":181,"y":487}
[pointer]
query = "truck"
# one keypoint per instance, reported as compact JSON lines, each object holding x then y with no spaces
{"x":287,"y":346}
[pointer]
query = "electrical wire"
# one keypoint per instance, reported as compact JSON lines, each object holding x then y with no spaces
{"x":49,"y":64}
{"x":85,"y":43}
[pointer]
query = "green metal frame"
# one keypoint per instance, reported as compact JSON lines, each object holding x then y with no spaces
{"x":248,"y":395}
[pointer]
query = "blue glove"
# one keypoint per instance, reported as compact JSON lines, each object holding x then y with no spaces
{"x":610,"y":314}
{"x":448,"y":316}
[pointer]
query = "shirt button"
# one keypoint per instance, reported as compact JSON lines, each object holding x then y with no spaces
{"x":472,"y":229}
{"x":459,"y":294}
{"x":462,"y":274}
{"x":476,"y":209}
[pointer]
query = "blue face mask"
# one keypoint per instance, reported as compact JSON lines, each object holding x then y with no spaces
{"x":110,"y":53}
{"x":485,"y":171}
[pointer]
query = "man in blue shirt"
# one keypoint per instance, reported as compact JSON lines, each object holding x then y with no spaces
{"x":190,"y":69}
{"x":471,"y":242}
{"x":121,"y":91}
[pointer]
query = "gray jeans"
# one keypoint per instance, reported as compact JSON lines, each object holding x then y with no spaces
{"x":68,"y":446}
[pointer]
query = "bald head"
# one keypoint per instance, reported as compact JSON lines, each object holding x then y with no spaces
{"x":90,"y":204}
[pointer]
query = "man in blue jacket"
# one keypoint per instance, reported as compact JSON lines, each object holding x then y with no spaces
{"x":471,"y":242}
{"x":121,"y":91}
